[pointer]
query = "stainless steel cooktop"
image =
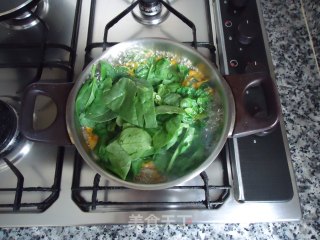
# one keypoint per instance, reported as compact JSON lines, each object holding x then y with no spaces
{"x":57,"y":188}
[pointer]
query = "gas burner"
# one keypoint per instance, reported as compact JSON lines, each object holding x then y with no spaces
{"x":150,"y":12}
{"x":8,"y":127}
{"x":13,"y":146}
{"x":26,"y":19}
{"x":150,"y":8}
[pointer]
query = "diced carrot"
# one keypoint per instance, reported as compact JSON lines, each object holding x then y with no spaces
{"x":91,"y":138}
{"x":194,"y":79}
{"x":198,"y":84}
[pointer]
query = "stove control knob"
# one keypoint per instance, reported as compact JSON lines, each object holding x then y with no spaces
{"x":239,"y":3}
{"x":247,"y":32}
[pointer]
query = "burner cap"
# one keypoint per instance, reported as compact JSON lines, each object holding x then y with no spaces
{"x":22,"y":18}
{"x":13,"y":146}
{"x":8,"y":126}
{"x":150,"y":8}
{"x":13,"y":8}
{"x":150,"y":12}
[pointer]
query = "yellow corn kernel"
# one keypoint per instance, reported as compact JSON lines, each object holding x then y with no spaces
{"x":209,"y":90}
{"x":173,"y":62}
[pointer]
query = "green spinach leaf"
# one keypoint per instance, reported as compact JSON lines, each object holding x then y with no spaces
{"x":172,"y":99}
{"x":136,"y":142}
{"x":167,"y":109}
{"x":133,"y":102}
{"x":136,"y":166}
{"x":158,"y":71}
{"x":183,"y":146}
{"x":145,"y":108}
{"x":160,"y":160}
{"x":163,"y":136}
{"x":86,"y":95}
{"x":120,"y":160}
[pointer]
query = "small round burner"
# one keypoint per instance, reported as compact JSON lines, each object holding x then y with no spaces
{"x":150,"y":12}
{"x":26,"y":15}
{"x":25,"y":19}
{"x":13,"y":8}
{"x":8,"y":127}
{"x":13,"y":146}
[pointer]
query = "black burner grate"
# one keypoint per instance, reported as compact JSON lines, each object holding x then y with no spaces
{"x":206,"y":190}
{"x":19,"y":190}
{"x":12,"y":9}
{"x":105,"y":43}
{"x":98,"y":190}
{"x":52,"y":193}
{"x":43,"y":46}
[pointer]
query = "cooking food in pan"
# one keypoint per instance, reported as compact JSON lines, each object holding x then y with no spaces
{"x":149,"y":117}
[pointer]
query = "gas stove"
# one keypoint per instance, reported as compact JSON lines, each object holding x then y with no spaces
{"x":42,"y":184}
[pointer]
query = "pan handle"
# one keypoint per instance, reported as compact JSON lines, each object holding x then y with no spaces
{"x":246,"y":123}
{"x":57,"y":132}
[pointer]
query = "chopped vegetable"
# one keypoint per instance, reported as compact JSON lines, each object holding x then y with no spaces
{"x":136,"y":142}
{"x":146,"y":120}
{"x":148,"y":173}
{"x":90,"y":137}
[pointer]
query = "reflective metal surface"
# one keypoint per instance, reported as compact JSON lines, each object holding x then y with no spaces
{"x":11,"y":124}
{"x":65,"y":212}
{"x":26,"y":20}
{"x":18,"y":147}
{"x":153,"y":18}
{"x":10,"y":9}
